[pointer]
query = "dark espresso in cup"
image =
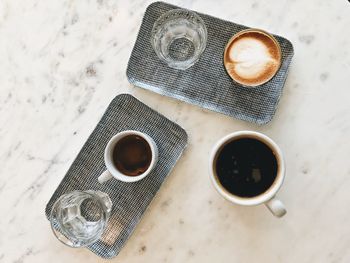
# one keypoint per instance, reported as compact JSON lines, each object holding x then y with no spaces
{"x":132,"y":155}
{"x":246,"y":167}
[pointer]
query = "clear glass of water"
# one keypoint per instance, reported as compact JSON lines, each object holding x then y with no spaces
{"x":179,"y":37}
{"x":79,"y":218}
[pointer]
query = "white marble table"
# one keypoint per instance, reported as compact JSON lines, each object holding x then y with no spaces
{"x":61,"y":63}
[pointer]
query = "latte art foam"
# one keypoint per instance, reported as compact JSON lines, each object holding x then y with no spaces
{"x":252,"y":58}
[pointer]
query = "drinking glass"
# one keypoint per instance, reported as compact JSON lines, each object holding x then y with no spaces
{"x":79,"y":218}
{"x":179,"y":37}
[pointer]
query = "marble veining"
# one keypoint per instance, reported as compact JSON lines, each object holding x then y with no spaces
{"x":62,"y":62}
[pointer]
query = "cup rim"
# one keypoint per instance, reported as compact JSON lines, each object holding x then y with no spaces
{"x":256,"y":30}
{"x":109,"y":162}
{"x":263,"y":197}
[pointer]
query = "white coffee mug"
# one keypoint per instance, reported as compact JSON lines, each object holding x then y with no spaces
{"x":268,"y":197}
{"x":113,"y":172}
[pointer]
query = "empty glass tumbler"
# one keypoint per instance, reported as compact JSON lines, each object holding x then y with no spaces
{"x":179,"y":37}
{"x":79,"y":218}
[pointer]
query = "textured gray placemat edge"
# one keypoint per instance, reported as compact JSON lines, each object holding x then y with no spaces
{"x":130,"y":79}
{"x":175,"y":129}
{"x":211,"y":16}
{"x":147,"y":209}
{"x":149,"y":205}
{"x":214,"y":17}
{"x":212,"y":108}
{"x":118,"y":97}
{"x":221,"y":108}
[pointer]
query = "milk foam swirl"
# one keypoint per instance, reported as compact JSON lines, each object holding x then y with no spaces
{"x":252,"y":58}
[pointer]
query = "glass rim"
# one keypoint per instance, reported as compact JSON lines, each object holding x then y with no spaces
{"x":62,"y":235}
{"x":185,"y":14}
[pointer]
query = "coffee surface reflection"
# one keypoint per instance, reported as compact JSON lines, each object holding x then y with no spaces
{"x":132,"y":155}
{"x":246,"y":167}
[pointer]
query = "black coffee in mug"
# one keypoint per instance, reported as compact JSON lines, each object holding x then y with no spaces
{"x":132,"y":155}
{"x":246,"y":167}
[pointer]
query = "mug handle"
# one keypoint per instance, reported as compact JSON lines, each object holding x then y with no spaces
{"x":104,"y":177}
{"x":276,"y":207}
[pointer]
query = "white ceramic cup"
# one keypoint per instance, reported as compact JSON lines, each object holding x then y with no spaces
{"x":113,"y":172}
{"x":268,"y":197}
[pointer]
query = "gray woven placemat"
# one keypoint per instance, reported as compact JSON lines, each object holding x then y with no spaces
{"x":130,"y":200}
{"x":206,"y":84}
